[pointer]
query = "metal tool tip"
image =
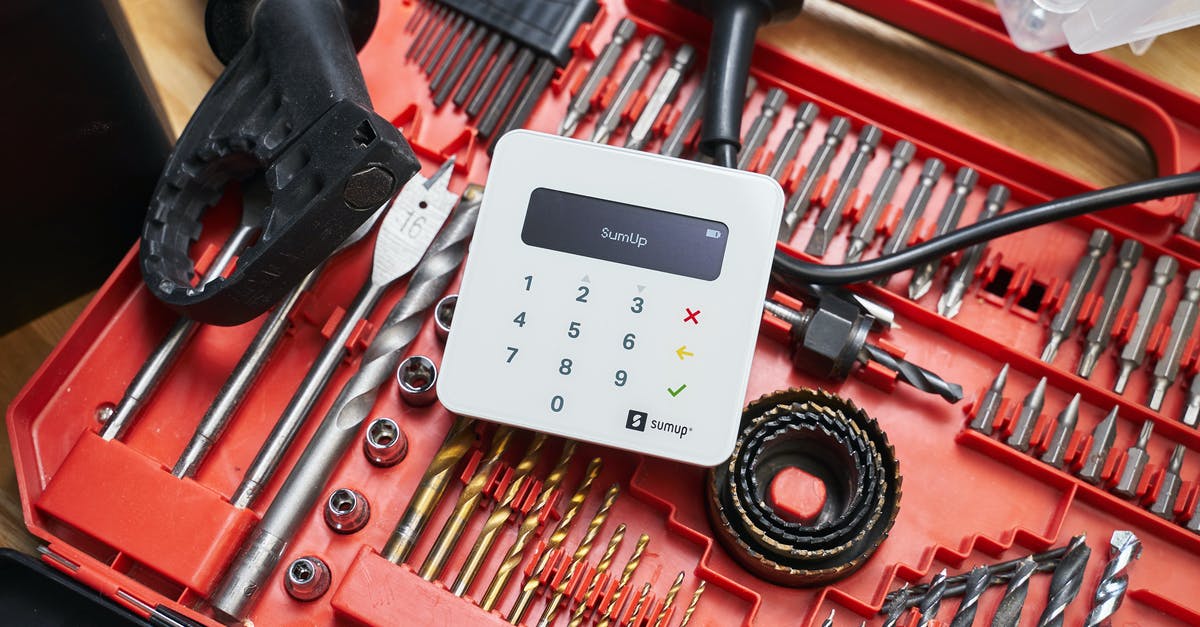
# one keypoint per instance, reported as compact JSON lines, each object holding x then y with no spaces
{"x":1001,"y":379}
{"x":1039,"y":391}
{"x":998,"y":194}
{"x":854,"y":250}
{"x":919,"y":286}
{"x":567,"y":128}
{"x":1176,"y":461}
{"x":1051,"y":349}
{"x":817,"y":244}
{"x":954,"y":392}
{"x":1158,"y":392}
{"x":1087,"y":361}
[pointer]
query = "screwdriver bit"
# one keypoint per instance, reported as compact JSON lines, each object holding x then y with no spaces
{"x":918,"y":199}
{"x":1147,"y":316}
{"x":652,"y":48}
{"x":1081,"y":283}
{"x":1136,"y":458}
{"x":1027,"y":419}
{"x":1064,"y":428}
{"x":1124,"y":548}
{"x":664,"y":94}
{"x":1193,"y":523}
{"x":789,"y":146}
{"x":1065,"y":582}
{"x":1191,"y":410}
{"x":976,"y":584}
{"x":1103,"y":437}
{"x":931,"y":601}
{"x":797,"y":204}
{"x":689,"y":115}
{"x":985,"y":413}
{"x":863,"y":232}
{"x":1168,"y":487}
{"x":1113,"y":296}
{"x":831,"y":217}
{"x":962,"y":275}
{"x":605,"y":62}
{"x":1008,"y":613}
{"x":761,"y":126}
{"x":1191,"y":227}
{"x":948,"y":219}
{"x":1182,"y":324}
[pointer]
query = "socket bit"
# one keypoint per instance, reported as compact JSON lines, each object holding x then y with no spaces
{"x":1103,"y":437}
{"x":948,"y":219}
{"x":831,"y":217}
{"x":1135,"y":463}
{"x":664,"y":93}
{"x":1113,"y":296}
{"x":652,"y":49}
{"x":863,"y":232}
{"x":1056,"y":450}
{"x":761,"y":126}
{"x":1008,"y":613}
{"x":806,"y":113}
{"x":985,"y":415}
{"x":918,"y":199}
{"x":1168,"y":487}
{"x":1031,"y":409}
{"x":962,"y":275}
{"x":1081,"y":283}
{"x":605,"y":62}
{"x":1182,"y":325}
{"x":1065,"y":582}
{"x":1110,"y":591}
{"x":977,"y":583}
{"x":1147,"y":316}
{"x":1191,"y":411}
{"x":797,"y":204}
{"x":1191,"y":227}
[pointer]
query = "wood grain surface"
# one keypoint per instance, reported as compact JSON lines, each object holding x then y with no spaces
{"x":170,"y":35}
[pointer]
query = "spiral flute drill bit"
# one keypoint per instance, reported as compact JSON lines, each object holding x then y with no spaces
{"x":977,"y":582}
{"x":895,"y":606}
{"x":931,"y":602}
{"x":614,"y":543}
{"x":1008,"y":613}
{"x":669,"y":600}
{"x":630,"y":568}
{"x":527,"y":530}
{"x":687,"y":614}
{"x":1066,"y":582}
{"x":581,"y":553}
{"x":1123,"y":549}
{"x":637,"y":606}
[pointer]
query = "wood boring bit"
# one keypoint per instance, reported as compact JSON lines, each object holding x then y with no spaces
{"x":687,"y":614}
{"x":614,"y":543}
{"x":1065,"y":582}
{"x":914,"y":207}
{"x":931,"y":601}
{"x":960,"y":278}
{"x":637,"y":605}
{"x":830,"y":217}
{"x":761,"y":126}
{"x":985,"y":413}
{"x":1027,"y":418}
{"x":1182,"y":325}
{"x":1169,"y":485}
{"x":1008,"y":613}
{"x":669,"y":600}
{"x":580,"y":555}
{"x":1113,"y":297}
{"x":664,"y":94}
{"x":1103,"y":437}
{"x":1191,"y":226}
{"x":1191,"y":409}
{"x":652,"y":48}
{"x":1064,"y":428}
{"x":1148,"y":311}
{"x":1124,"y":548}
{"x":789,"y":146}
{"x":947,"y":220}
{"x":1081,"y":283}
{"x":630,"y":568}
{"x":528,"y":529}
{"x":797,"y":205}
{"x":581,"y":103}
{"x":978,"y":580}
{"x":1136,"y":458}
{"x":864,"y":231}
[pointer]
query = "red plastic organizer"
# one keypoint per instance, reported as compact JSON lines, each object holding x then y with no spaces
{"x":113,"y":509}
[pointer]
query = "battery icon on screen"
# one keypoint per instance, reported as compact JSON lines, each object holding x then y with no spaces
{"x":713,"y":233}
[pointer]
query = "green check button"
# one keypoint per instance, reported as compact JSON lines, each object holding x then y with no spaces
{"x":677,"y":390}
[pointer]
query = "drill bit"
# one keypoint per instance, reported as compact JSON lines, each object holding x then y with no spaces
{"x":1168,"y":487}
{"x":828,"y":622}
{"x":918,"y":199}
{"x":637,"y":606}
{"x":664,"y":93}
{"x":1103,"y":437}
{"x":669,"y":600}
{"x":913,"y":374}
{"x":863,"y":232}
{"x":1113,"y":296}
{"x":1066,"y":582}
{"x":895,"y":605}
{"x":687,"y":614}
{"x":1027,"y":418}
{"x":1008,"y":613}
{"x":985,"y":412}
{"x":830,"y":218}
{"x":1191,"y":410}
{"x":962,"y":275}
{"x":931,"y":601}
{"x":605,"y":62}
{"x":1136,"y":458}
{"x":761,"y":126}
{"x":630,"y":568}
{"x":999,"y":573}
{"x":652,"y":48}
{"x":1147,"y":316}
{"x":789,"y":146}
{"x":977,"y":582}
{"x":1081,"y":283}
{"x":1182,"y":323}
{"x":1191,"y":226}
{"x":797,"y":204}
{"x":948,"y":219}
{"x":581,"y":553}
{"x":1056,"y":449}
{"x":614,"y":543}
{"x":1110,"y":591}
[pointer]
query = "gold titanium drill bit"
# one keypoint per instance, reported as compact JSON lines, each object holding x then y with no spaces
{"x":626,"y":575}
{"x":468,"y":502}
{"x":527,"y":530}
{"x":581,"y":553}
{"x":687,"y":614}
{"x":637,"y":607}
{"x":670,"y":599}
{"x":614,"y":543}
{"x":529,"y":588}
{"x":500,"y":515}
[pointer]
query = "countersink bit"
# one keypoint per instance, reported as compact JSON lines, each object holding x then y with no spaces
{"x":1147,"y":316}
{"x":931,"y":601}
{"x":669,"y":600}
{"x":614,"y":543}
{"x":985,"y":413}
{"x":687,"y":614}
{"x":664,"y":93}
{"x":960,"y":278}
{"x":1008,"y":613}
{"x":918,"y":199}
{"x":630,"y":568}
{"x":1191,"y":411}
{"x":864,"y":231}
{"x":1182,"y":324}
{"x":1081,"y":283}
{"x":1113,"y":296}
{"x":789,"y":146}
{"x":605,"y":62}
{"x":951,"y":214}
{"x":1123,"y":549}
{"x":1027,"y":418}
{"x":977,"y":583}
{"x":1168,"y":487}
{"x":1103,"y":437}
{"x":761,"y":126}
{"x":1191,"y":227}
{"x":580,"y":555}
{"x":652,"y":48}
{"x":830,"y":217}
{"x":1056,"y":449}
{"x":1066,"y":582}
{"x":1136,"y":458}
{"x":797,"y":205}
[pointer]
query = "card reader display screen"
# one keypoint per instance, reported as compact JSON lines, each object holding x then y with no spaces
{"x":626,"y":234}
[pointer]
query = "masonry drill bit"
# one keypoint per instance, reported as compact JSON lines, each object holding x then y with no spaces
{"x":605,"y":62}
{"x":669,"y":600}
{"x":630,"y":568}
{"x":931,"y":601}
{"x":1182,"y":324}
{"x":985,"y":412}
{"x":1136,"y":458}
{"x":864,"y":232}
{"x":1110,"y":591}
{"x":948,"y":219}
{"x":1147,"y":316}
{"x":797,"y":205}
{"x":527,"y":530}
{"x":978,"y":580}
{"x":1168,"y":486}
{"x":614,"y":543}
{"x":687,"y":614}
{"x":1056,"y":449}
{"x":1008,"y":613}
{"x":1000,"y":572}
{"x":1103,"y":437}
{"x":1080,"y":284}
{"x":652,"y":48}
{"x":1113,"y":297}
{"x":1191,"y":410}
{"x":761,"y":126}
{"x":581,"y":554}
{"x":664,"y":94}
{"x":960,"y":278}
{"x":789,"y":146}
{"x":914,"y":207}
{"x":1027,"y":418}
{"x":1191,"y":226}
{"x":1065,"y":582}
{"x":830,"y":217}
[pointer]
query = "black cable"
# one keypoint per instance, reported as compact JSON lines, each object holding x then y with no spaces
{"x":791,"y":271}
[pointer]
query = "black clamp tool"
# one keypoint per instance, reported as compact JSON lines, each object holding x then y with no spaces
{"x":292,"y":106}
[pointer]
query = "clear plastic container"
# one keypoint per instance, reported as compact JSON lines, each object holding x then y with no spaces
{"x":1091,"y":25}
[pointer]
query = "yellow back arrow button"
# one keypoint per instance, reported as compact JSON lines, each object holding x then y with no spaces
{"x":682,"y":352}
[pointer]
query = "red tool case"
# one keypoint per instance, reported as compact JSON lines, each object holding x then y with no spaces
{"x":113,"y":509}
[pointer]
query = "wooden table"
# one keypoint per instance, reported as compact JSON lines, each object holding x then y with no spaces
{"x":905,"y":68}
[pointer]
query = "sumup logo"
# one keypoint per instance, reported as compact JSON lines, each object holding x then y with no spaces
{"x":636,"y":420}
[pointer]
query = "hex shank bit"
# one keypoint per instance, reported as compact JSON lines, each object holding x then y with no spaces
{"x":1103,"y":437}
{"x":830,"y":217}
{"x":864,"y":231}
{"x":985,"y":412}
{"x":1110,"y":591}
{"x":1027,"y":418}
{"x":664,"y":93}
{"x":1056,"y":449}
{"x":948,"y":219}
{"x":960,"y":278}
{"x":976,"y":584}
{"x":1113,"y":296}
{"x":1191,"y":410}
{"x":1008,"y":613}
{"x":1081,"y":283}
{"x":1136,"y":458}
{"x":1182,"y":325}
{"x":652,"y":48}
{"x":797,"y":204}
{"x":918,"y":199}
{"x":1147,"y":315}
{"x":789,"y":146}
{"x":1191,"y":226}
{"x":672,"y":146}
{"x":1066,"y":582}
{"x":1169,"y":485}
{"x":761,"y":126}
{"x":581,"y":102}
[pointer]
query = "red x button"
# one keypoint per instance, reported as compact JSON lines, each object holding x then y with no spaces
{"x":692,"y":316}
